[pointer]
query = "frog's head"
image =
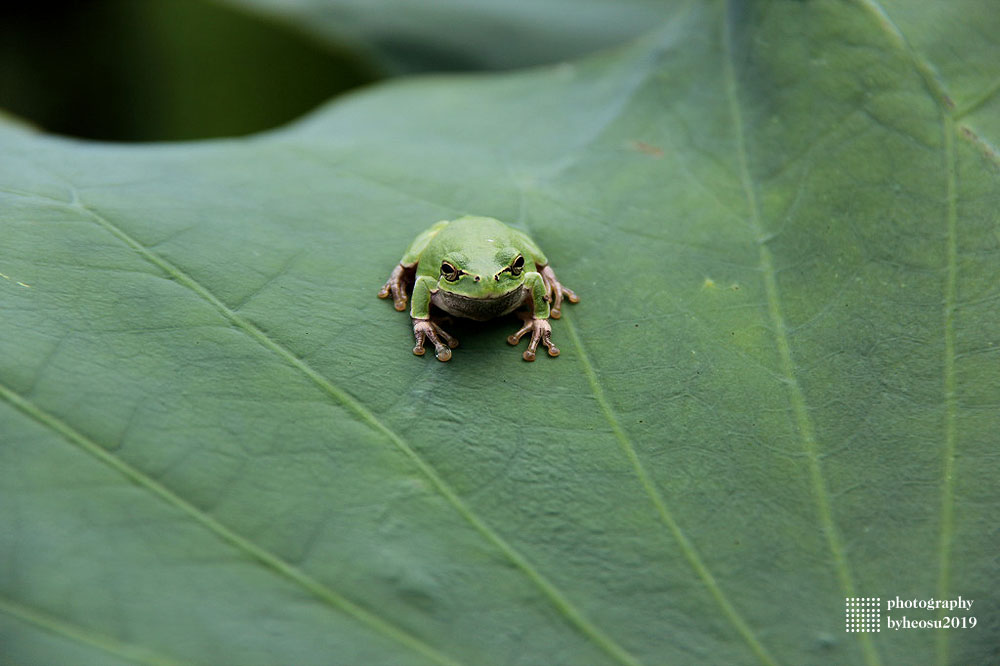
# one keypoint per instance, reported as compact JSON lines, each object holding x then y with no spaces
{"x":492,"y":273}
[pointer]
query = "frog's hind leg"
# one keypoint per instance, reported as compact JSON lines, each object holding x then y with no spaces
{"x":555,"y":291}
{"x":399,"y":285}
{"x":401,"y":281}
{"x":525,"y":317}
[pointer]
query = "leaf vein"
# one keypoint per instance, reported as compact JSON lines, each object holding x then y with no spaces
{"x":687,"y":548}
{"x":796,"y":395}
{"x":950,"y":397}
{"x":923,"y":68}
{"x":988,"y":150}
{"x":949,"y":126}
{"x":255,"y":551}
{"x":132,"y":653}
{"x":969,"y":107}
{"x":934,"y":85}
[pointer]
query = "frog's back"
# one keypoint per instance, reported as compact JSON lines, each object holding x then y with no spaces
{"x":470,"y":230}
{"x":465,"y":235}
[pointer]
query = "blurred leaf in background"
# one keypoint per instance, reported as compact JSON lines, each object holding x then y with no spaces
{"x":148,"y":70}
{"x":449,"y":35}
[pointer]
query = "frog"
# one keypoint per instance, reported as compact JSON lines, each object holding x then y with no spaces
{"x":478,"y":268}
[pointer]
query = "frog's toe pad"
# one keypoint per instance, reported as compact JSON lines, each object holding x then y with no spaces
{"x":424,"y":331}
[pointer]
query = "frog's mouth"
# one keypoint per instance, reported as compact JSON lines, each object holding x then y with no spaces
{"x":479,"y":309}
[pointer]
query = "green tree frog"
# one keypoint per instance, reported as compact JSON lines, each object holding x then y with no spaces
{"x":478,"y":268}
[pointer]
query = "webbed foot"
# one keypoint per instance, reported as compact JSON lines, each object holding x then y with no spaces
{"x":541,"y":332}
{"x":425,"y":329}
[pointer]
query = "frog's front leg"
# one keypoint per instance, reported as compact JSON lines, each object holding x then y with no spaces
{"x":536,"y":320}
{"x":425,"y":329}
{"x":555,"y":291}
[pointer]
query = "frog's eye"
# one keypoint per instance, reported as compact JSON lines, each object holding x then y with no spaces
{"x":517,"y":266}
{"x":449,"y":272}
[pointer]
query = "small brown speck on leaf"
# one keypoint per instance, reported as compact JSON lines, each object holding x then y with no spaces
{"x":647,"y":148}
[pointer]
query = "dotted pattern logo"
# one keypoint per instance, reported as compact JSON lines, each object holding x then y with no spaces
{"x":864,"y":614}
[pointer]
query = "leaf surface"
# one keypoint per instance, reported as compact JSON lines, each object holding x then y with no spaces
{"x":780,"y":388}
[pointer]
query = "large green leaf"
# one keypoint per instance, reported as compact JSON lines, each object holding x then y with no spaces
{"x":780,"y":389}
